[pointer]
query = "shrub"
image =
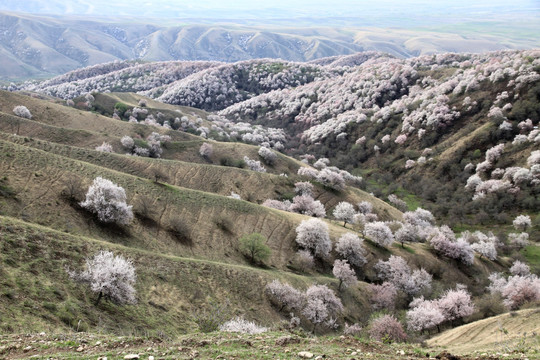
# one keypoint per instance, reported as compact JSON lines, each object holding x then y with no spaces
{"x":331,"y":179}
{"x":240,"y":325}
{"x":254,"y":165}
{"x":108,"y":201}
{"x":365,"y":207}
{"x":254,"y":247}
{"x":209,"y":320}
{"x":105,"y":147}
{"x":22,"y":111}
{"x":144,"y":208}
{"x":303,"y":188}
{"x":387,"y":329}
{"x":313,"y":235}
{"x":110,"y":276}
{"x":305,"y":204}
{"x":127,"y":142}
{"x":180,"y":230}
{"x":352,"y":330}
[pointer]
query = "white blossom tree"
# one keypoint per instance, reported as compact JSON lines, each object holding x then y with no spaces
{"x":322,"y":304}
{"x":22,"y":111}
{"x":349,"y":246}
{"x":313,"y":235}
{"x":379,"y":232}
{"x":110,"y":276}
{"x":108,"y":201}
{"x":522,"y":222}
{"x":344,"y":211}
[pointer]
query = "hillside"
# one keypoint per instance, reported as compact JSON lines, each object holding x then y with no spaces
{"x":184,"y":237}
{"x":425,"y":121}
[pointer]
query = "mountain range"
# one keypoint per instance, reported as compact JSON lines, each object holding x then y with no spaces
{"x":39,"y":46}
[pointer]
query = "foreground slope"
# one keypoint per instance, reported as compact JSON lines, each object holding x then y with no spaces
{"x":506,"y":333}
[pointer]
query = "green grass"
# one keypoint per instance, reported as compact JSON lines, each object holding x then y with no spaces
{"x":532,"y":254}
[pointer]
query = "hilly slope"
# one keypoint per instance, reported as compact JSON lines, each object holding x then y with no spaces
{"x":184,"y":237}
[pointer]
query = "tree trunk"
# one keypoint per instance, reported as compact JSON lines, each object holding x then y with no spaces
{"x":99,"y":298}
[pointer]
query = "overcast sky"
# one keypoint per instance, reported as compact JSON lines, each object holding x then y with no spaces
{"x":267,"y":8}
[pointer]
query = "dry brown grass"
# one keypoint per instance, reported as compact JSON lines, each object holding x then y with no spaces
{"x":503,"y":333}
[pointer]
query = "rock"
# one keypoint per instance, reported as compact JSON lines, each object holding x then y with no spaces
{"x":305,"y":354}
{"x":98,"y":343}
{"x":131,"y":356}
{"x":150,"y":357}
{"x":42,"y":333}
{"x":354,"y":353}
{"x":102,"y":358}
{"x":28,"y":348}
{"x":285,"y":340}
{"x":80,"y":349}
{"x":401,"y":352}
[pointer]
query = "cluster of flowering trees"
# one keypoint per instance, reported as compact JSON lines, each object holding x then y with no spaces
{"x":219,"y":87}
{"x":519,"y":288}
{"x":125,"y":76}
{"x":318,"y":304}
{"x":510,"y":179}
{"x":452,"y":305}
{"x":153,"y":145}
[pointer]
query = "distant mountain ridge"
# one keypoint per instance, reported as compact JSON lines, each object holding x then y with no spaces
{"x":39,"y":47}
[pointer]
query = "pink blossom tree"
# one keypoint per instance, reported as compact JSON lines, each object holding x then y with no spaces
{"x":284,"y":295}
{"x":383,"y":296}
{"x":387,"y":329}
{"x":424,"y":315}
{"x":456,"y":304}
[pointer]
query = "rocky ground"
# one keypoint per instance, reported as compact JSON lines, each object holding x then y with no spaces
{"x":275,"y":345}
